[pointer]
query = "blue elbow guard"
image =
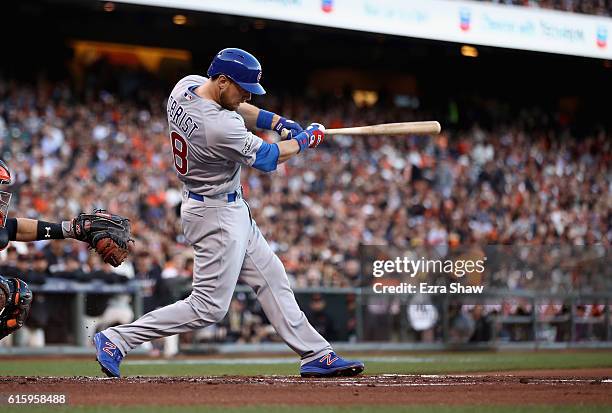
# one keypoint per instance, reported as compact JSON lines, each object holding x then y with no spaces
{"x":266,"y":157}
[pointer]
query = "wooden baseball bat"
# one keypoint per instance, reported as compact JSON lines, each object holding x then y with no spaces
{"x":403,"y":128}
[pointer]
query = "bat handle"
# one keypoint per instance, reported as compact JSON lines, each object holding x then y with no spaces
{"x":284,"y":133}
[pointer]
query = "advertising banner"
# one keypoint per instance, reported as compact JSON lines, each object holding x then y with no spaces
{"x":469,"y":22}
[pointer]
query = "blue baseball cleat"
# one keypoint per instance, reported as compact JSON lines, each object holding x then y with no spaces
{"x":331,"y":365}
{"x":108,"y":355}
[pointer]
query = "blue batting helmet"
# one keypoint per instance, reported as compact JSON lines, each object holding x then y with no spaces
{"x":240,"y":66}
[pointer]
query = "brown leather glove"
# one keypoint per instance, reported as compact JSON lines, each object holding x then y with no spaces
{"x":108,"y":234}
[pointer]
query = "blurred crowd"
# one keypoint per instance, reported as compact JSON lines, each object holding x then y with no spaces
{"x":596,"y":7}
{"x":514,"y":185}
{"x":517,"y":184}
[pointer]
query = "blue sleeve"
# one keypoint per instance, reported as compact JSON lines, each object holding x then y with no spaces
{"x":266,"y":157}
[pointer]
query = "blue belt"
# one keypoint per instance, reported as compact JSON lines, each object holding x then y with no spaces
{"x":231,"y":197}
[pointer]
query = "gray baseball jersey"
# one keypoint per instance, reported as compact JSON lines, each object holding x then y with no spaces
{"x":209,"y":145}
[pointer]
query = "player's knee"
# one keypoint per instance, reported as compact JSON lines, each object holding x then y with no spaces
{"x":209,"y":312}
{"x":218,"y":314}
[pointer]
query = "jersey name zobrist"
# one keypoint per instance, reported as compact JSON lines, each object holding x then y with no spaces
{"x":179,"y":116}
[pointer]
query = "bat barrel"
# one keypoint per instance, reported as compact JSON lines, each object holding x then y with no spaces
{"x":403,"y":128}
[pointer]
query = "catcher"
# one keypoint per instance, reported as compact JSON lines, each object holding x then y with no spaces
{"x":108,"y":234}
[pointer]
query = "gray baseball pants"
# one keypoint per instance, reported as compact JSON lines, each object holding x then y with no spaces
{"x":227,"y":244}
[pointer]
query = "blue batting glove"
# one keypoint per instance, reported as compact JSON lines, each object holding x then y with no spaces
{"x":311,"y":137}
{"x":287,"y":128}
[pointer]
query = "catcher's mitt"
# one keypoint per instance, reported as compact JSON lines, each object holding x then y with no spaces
{"x":14,"y":310}
{"x":107,"y":234}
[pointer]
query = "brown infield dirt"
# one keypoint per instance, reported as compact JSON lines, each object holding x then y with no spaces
{"x":555,"y":387}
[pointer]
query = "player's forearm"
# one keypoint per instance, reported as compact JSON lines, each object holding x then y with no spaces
{"x":250,"y":114}
{"x":27,"y":229}
{"x":287,"y":149}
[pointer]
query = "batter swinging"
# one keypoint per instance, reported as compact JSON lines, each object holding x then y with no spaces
{"x":208,"y":121}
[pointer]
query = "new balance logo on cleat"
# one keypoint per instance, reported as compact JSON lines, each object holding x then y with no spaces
{"x":328,"y":359}
{"x":108,"y":348}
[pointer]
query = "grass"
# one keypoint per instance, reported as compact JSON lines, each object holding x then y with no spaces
{"x":416,"y":363}
{"x":310,"y":409}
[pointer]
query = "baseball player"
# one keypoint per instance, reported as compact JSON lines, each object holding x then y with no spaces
{"x":208,"y":121}
{"x":107,"y":234}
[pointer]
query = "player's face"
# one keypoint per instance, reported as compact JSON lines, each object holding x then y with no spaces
{"x":232,"y":95}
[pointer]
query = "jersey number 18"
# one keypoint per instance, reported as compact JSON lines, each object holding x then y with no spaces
{"x":179,"y":149}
